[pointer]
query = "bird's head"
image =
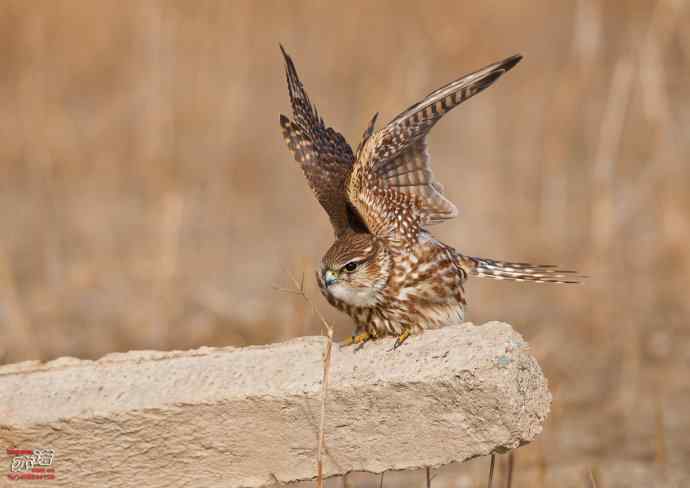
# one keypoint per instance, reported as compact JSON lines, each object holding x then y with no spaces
{"x":355,"y":270}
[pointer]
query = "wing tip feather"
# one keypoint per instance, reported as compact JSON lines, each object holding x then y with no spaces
{"x":510,"y":62}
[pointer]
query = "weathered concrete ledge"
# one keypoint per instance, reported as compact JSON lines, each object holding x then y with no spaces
{"x":248,"y":417}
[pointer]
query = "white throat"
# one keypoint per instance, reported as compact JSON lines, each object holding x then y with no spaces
{"x":357,"y":297}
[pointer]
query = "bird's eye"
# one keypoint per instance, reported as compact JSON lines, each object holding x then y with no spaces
{"x":351,"y":266}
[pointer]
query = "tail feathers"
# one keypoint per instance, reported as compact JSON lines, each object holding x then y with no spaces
{"x":537,"y":273}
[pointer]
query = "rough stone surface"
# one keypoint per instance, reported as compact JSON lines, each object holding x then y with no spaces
{"x":248,"y":417}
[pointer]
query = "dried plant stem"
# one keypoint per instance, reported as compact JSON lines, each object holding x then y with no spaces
{"x":511,"y":467}
{"x":299,"y":289}
{"x":491,"y":470}
{"x":324,"y":389}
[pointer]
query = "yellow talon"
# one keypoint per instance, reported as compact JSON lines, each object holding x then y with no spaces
{"x":401,"y":338}
{"x":358,"y":339}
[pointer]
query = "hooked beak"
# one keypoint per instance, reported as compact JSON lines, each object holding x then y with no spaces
{"x":329,"y":277}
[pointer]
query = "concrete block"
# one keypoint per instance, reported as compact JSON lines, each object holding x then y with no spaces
{"x":248,"y":417}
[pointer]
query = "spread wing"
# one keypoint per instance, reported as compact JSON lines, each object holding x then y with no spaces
{"x":392,"y":185}
{"x":324,"y":154}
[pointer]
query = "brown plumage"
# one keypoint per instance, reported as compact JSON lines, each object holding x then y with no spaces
{"x":385,"y":270}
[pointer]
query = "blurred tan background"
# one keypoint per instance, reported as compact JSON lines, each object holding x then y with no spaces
{"x":148,"y":200}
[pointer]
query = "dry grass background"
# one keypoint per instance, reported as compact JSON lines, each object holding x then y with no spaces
{"x":147,"y":199}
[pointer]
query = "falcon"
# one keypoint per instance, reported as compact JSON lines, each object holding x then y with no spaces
{"x":385,"y":269}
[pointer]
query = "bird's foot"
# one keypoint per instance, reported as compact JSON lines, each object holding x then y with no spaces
{"x":359,"y":339}
{"x":401,"y":338}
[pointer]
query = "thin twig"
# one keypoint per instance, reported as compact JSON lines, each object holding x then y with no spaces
{"x":322,"y":424}
{"x":511,"y":465}
{"x":491,"y":470}
{"x":428,"y":477}
{"x":299,"y":290}
{"x":381,"y":480}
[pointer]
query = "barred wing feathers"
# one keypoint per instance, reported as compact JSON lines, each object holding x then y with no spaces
{"x":324,"y":155}
{"x":394,"y":163}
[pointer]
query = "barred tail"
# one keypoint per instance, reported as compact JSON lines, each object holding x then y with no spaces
{"x":537,"y":273}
